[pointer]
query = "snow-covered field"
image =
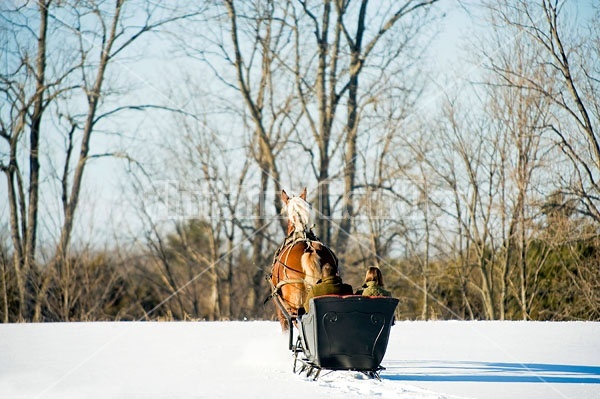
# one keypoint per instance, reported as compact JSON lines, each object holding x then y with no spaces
{"x":250,"y":360}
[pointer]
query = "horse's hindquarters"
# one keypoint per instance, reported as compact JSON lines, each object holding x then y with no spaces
{"x":296,"y":267}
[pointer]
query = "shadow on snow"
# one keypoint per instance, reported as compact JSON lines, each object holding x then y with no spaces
{"x":468,"y":371}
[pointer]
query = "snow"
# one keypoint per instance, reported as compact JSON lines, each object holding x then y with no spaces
{"x":426,"y":360}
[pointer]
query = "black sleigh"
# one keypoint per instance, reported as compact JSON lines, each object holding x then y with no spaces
{"x":343,"y":333}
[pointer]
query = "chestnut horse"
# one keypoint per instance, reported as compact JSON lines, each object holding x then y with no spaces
{"x":297,"y":263}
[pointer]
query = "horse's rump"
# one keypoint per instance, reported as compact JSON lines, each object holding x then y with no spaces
{"x":296,"y":268}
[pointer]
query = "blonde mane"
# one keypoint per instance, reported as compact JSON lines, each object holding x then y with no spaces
{"x":298,"y":211}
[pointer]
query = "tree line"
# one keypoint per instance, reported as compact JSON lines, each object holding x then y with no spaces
{"x":475,"y":191}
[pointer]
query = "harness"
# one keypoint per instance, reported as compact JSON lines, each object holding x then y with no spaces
{"x":290,"y":241}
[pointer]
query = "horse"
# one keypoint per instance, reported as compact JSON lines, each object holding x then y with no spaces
{"x":297,"y":263}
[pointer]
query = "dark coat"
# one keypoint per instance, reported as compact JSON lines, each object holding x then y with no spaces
{"x":371,"y":288}
{"x":328,"y":286}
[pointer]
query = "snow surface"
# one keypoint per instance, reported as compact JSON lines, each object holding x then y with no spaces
{"x":424,"y":360}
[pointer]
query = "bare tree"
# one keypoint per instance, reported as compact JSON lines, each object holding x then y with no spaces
{"x":540,"y":88}
{"x":66,"y":61}
{"x":327,"y":67}
{"x":264,"y":114}
{"x":567,"y":59}
{"x":25,"y":88}
{"x":362,"y":45}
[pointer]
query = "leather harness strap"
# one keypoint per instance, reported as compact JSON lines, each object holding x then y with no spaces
{"x":288,"y":244}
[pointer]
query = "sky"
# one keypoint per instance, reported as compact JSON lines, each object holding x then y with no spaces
{"x":109,"y":211}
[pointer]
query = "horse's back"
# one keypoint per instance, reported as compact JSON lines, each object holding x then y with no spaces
{"x":347,"y":332}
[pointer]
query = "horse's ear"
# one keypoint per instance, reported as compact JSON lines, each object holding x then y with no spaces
{"x":284,"y":197}
{"x":303,"y":194}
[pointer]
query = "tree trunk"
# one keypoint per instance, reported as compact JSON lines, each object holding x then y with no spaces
{"x":34,"y":138}
{"x":4,"y":271}
{"x":352,"y":129}
{"x":93,"y":96}
{"x":16,"y":236}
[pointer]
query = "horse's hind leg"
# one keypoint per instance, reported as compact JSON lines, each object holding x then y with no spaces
{"x":282,"y":320}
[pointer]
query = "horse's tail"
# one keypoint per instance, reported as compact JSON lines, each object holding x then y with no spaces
{"x":311,"y":264}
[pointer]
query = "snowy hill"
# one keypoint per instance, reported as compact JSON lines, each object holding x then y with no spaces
{"x":250,"y":360}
